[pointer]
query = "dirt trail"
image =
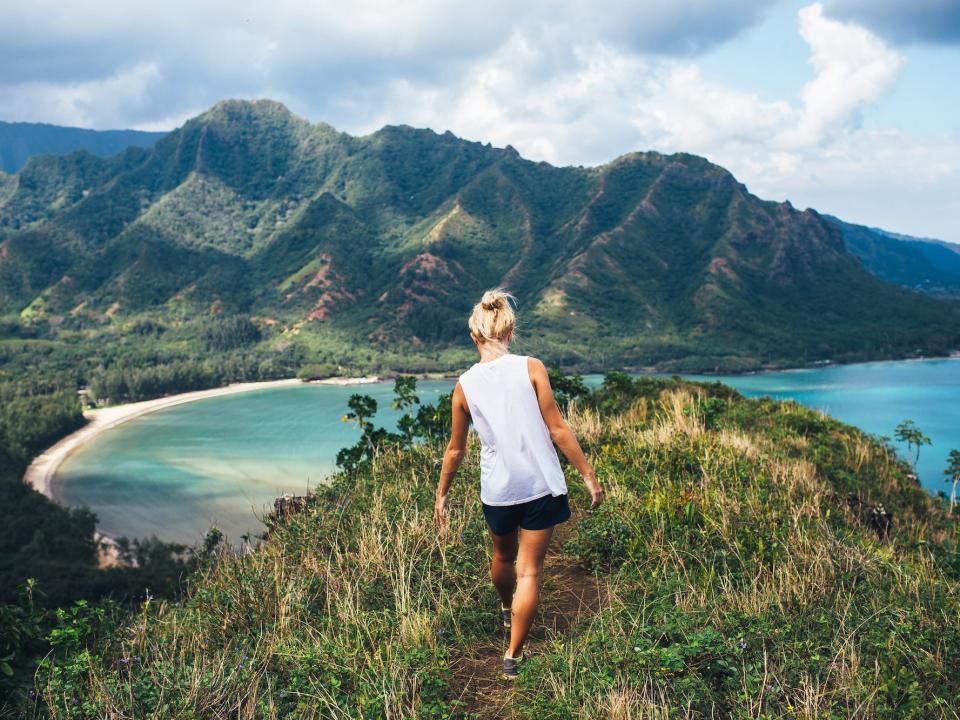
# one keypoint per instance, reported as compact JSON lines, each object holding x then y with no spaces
{"x":567,"y":593}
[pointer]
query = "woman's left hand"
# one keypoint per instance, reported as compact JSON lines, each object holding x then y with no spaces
{"x":438,"y":508}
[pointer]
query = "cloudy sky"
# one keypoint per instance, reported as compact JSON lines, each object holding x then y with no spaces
{"x":848,"y":106}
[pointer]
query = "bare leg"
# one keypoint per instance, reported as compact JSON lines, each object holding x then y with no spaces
{"x":501,"y":570}
{"x":532,"y":548}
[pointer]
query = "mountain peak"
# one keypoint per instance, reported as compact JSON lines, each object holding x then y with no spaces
{"x":238,"y":110}
{"x":253,"y":204}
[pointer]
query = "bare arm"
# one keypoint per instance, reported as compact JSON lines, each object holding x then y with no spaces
{"x":560,"y":432}
{"x":454,"y":453}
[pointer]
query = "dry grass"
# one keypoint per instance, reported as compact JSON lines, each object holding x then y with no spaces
{"x":747,"y":492}
{"x":733,"y":585}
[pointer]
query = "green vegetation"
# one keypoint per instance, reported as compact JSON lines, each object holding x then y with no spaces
{"x":19,"y":141}
{"x":930,"y":266}
{"x":953,"y":475}
{"x":738,"y":581}
{"x":49,"y":557}
{"x":908,"y":432}
{"x":367,"y":253}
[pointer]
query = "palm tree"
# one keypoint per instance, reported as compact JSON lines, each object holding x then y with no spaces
{"x":908,"y":432}
{"x":953,"y":474}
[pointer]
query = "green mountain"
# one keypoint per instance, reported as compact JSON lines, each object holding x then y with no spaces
{"x":931,"y":266}
{"x":19,"y":141}
{"x":380,"y":244}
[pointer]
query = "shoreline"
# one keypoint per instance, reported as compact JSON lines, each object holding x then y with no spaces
{"x":41,"y":473}
{"x":42,"y":470}
{"x":815,"y":365}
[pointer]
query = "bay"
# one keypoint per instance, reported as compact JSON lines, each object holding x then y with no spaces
{"x":175,"y":472}
{"x":876,"y":397}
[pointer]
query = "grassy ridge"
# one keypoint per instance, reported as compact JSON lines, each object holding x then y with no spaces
{"x":738,"y":584}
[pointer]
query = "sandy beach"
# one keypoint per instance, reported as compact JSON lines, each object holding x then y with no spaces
{"x":41,"y":472}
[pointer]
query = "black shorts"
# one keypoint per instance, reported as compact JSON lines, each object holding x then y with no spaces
{"x":537,"y":514}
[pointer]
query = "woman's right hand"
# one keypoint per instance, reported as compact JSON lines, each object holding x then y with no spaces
{"x":596,"y":492}
{"x":438,"y":507}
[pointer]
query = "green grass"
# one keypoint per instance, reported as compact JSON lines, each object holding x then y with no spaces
{"x":15,"y":342}
{"x":36,"y":308}
{"x":738,"y":584}
{"x":311,"y":268}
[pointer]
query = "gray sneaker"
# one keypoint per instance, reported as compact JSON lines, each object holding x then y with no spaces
{"x":507,"y":613}
{"x":511,"y":666}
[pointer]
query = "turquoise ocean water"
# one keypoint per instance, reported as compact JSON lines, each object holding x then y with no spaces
{"x":223,"y":460}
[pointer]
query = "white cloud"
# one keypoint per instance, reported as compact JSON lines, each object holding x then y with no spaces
{"x":853,"y":68}
{"x":609,"y":101}
{"x":220,"y":38}
{"x":573,"y":83}
{"x":93,"y":103}
{"x":332,"y":60}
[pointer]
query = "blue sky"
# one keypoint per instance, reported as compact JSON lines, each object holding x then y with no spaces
{"x":848,"y":106}
{"x":922,"y":100}
{"x":771,"y":59}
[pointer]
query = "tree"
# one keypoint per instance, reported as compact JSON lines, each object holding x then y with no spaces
{"x":405,"y":397}
{"x":373,"y":440}
{"x":566,"y":388}
{"x":953,"y":475}
{"x":362,"y":408}
{"x":429,"y":421}
{"x":909,"y":433}
{"x":228,"y":333}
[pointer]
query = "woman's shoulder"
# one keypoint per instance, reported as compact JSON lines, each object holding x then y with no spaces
{"x":534,"y":369}
{"x":534,"y":363}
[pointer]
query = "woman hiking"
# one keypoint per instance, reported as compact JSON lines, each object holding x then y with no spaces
{"x":522,"y":488}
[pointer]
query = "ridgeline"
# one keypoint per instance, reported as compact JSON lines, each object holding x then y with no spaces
{"x":19,"y":141}
{"x":754,"y":558}
{"x":315,"y":246}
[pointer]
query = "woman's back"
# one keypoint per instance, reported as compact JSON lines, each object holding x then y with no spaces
{"x":517,"y":461}
{"x":509,"y":399}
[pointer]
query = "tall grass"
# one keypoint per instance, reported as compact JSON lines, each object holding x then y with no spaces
{"x":349,"y":609}
{"x":736,"y":584}
{"x":746,"y":588}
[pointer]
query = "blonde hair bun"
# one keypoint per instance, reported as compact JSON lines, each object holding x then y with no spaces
{"x":493,"y":300}
{"x":493,"y":317}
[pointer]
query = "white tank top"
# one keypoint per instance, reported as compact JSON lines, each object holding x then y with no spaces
{"x":517,"y":459}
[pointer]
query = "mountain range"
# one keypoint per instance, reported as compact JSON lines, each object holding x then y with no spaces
{"x":930,"y":266}
{"x":19,"y":141}
{"x":385,"y":241}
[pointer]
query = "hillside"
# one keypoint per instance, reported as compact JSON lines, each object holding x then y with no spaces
{"x":753,"y":559}
{"x":19,"y":141}
{"x":930,"y":266}
{"x":370,"y":250}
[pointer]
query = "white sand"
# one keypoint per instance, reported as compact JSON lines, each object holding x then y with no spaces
{"x":41,"y":472}
{"x":347,"y":380}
